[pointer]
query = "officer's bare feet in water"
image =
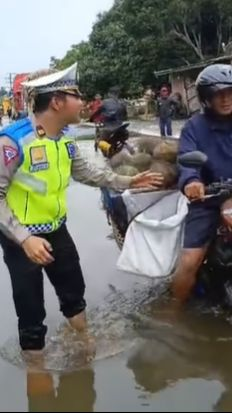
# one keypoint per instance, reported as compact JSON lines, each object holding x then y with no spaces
{"x":34,"y":360}
{"x":39,"y":384}
{"x":39,"y":381}
{"x":79,"y":324}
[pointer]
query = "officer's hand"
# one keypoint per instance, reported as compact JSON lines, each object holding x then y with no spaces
{"x":149,"y":180}
{"x":195,"y":191}
{"x":38,"y":250}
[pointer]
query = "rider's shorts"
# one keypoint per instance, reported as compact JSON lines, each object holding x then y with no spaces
{"x":201,"y":225}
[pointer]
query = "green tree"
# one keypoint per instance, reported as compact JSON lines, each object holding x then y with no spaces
{"x":203,"y":25}
{"x":133,"y":39}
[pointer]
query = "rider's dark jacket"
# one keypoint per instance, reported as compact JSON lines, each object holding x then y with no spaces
{"x":213,"y":137}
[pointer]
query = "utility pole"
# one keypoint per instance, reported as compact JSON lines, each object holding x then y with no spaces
{"x":9,"y":81}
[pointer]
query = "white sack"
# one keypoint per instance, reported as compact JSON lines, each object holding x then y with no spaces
{"x":154,"y":238}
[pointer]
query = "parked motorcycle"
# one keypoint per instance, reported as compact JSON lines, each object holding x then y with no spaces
{"x":111,"y":139}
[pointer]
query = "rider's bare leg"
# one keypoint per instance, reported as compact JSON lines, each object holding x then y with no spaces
{"x":186,"y":273}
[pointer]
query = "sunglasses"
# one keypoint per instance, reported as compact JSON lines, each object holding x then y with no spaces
{"x":74,"y":93}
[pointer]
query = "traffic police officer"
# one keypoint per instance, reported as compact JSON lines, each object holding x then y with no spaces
{"x":37,"y":161}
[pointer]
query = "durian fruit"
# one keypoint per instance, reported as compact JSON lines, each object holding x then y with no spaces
{"x":140,"y":161}
{"x":166,"y":150}
{"x":147,"y":145}
{"x":126,"y":170}
{"x":119,"y":159}
{"x":168,"y":170}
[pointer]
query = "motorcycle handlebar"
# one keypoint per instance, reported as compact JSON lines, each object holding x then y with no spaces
{"x":219,"y":189}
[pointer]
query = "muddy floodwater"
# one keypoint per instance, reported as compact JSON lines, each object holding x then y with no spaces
{"x":143,"y":363}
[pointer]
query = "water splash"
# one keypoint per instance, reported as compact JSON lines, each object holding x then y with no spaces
{"x":122,"y":322}
{"x":113,"y":324}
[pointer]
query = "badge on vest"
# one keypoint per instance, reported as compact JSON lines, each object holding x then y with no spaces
{"x":71,"y":148}
{"x":39,"y":160}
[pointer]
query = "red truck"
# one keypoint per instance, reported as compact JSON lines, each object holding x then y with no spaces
{"x":18,"y":95}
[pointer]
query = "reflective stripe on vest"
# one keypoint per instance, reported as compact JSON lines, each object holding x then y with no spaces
{"x":31,"y":182}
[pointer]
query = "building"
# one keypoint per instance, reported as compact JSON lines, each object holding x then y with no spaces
{"x":18,"y":95}
{"x":182,"y":80}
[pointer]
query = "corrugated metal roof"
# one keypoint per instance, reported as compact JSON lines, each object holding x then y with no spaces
{"x":198,"y":65}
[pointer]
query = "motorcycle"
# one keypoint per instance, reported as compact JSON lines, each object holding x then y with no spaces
{"x":215,"y":275}
{"x":111,"y":139}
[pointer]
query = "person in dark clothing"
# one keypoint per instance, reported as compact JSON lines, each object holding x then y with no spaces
{"x":93,"y":107}
{"x":165,"y":107}
{"x":113,"y":109}
{"x":9,"y":113}
{"x":113,"y":112}
{"x":211,"y":133}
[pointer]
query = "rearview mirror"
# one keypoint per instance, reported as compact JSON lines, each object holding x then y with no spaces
{"x":195,"y":159}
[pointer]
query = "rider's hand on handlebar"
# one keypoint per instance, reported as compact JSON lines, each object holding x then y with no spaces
{"x":195,"y":191}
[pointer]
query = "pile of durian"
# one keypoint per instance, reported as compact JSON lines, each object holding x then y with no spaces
{"x":154,"y":154}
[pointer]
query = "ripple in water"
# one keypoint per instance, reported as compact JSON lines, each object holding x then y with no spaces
{"x":113,"y":324}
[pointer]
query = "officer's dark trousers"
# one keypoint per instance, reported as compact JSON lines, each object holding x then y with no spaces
{"x":65,"y":274}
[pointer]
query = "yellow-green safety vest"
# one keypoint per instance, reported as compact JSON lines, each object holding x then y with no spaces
{"x":37,"y":194}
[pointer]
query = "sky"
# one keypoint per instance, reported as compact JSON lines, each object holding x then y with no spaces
{"x":31,"y":31}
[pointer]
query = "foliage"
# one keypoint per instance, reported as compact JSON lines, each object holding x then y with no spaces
{"x":133,"y":39}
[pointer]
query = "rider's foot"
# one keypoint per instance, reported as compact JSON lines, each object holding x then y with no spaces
{"x":168,"y":312}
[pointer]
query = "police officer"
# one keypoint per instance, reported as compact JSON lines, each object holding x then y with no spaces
{"x":37,"y":161}
{"x":211,"y":133}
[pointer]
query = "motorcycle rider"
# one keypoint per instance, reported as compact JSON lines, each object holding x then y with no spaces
{"x":113,"y":109}
{"x":211,"y":133}
{"x":113,"y":132}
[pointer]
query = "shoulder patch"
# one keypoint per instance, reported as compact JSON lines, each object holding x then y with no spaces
{"x":9,"y":154}
{"x":71,"y":149}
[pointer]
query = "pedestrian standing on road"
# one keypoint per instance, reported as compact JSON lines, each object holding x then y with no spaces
{"x":148,"y":97}
{"x":9,"y":113}
{"x":37,"y":161}
{"x":1,"y":115}
{"x":165,"y":107}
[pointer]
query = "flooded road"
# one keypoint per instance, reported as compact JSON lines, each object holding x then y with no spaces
{"x":155,"y":365}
